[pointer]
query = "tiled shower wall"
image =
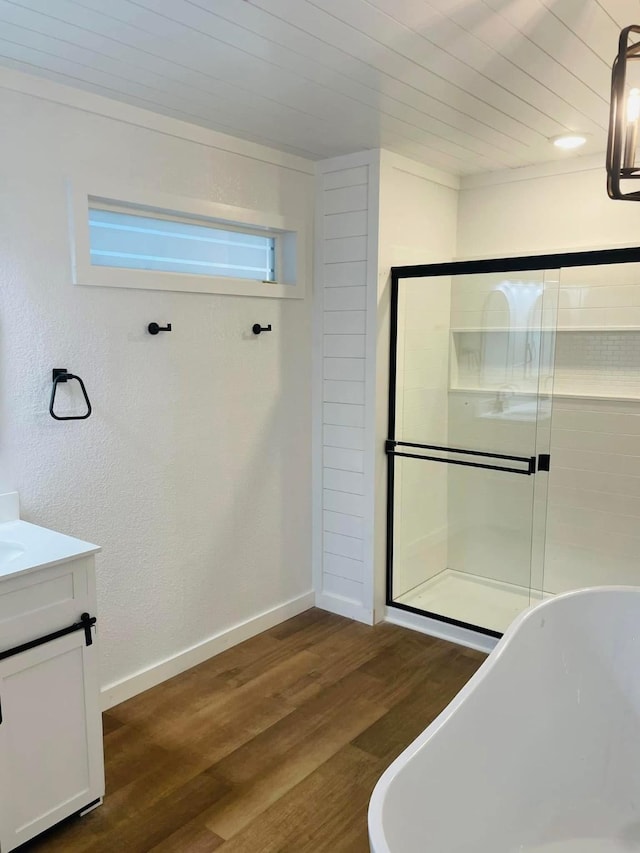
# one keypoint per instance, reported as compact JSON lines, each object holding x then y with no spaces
{"x":593,"y":520}
{"x":594,"y":484}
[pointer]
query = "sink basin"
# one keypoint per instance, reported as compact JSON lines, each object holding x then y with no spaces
{"x":9,"y":551}
{"x":25,"y":547}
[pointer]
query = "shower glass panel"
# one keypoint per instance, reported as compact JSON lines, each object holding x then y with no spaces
{"x":593,"y":526}
{"x":470,"y":415}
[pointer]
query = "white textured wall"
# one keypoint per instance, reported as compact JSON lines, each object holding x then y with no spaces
{"x":193,"y":472}
{"x":527,"y":211}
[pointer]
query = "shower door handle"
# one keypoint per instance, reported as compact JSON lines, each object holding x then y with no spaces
{"x":529,"y":461}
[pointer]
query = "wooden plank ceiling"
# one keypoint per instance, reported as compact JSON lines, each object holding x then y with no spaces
{"x":465,"y":85}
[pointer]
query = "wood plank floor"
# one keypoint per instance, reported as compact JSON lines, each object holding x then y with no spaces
{"x":271,"y":747}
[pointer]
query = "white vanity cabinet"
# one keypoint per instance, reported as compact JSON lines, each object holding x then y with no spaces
{"x":51,"y":760}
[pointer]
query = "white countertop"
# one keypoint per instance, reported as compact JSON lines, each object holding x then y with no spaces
{"x":40,"y":547}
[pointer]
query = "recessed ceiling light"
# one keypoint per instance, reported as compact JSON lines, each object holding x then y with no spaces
{"x":569,"y":141}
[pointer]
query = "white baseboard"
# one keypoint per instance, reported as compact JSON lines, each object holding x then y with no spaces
{"x":441,"y":630}
{"x":130,"y":686}
{"x":344,"y":607}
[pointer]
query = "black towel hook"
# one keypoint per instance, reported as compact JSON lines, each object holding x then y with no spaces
{"x":60,"y":374}
{"x":257,"y":328}
{"x":154,"y":328}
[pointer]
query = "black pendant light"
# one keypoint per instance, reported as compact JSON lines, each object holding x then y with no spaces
{"x":624,"y":116}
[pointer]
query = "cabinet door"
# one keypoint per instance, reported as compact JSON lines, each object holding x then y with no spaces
{"x":51,"y":761}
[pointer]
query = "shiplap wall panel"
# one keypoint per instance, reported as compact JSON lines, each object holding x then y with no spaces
{"x":345,"y":298}
{"x":344,"y":368}
{"x":344,"y":322}
{"x":340,"y":249}
{"x":352,"y":224}
{"x":347,"y":199}
{"x":339,"y":545}
{"x":343,"y":502}
{"x":344,"y":567}
{"x":341,"y":436}
{"x":344,"y":346}
{"x":343,"y":459}
{"x":341,"y":414}
{"x":343,"y":391}
{"x":353,"y":274}
{"x":346,"y":271}
{"x":341,"y":588}
{"x":343,"y":481}
{"x":342,"y":178}
{"x":340,"y":522}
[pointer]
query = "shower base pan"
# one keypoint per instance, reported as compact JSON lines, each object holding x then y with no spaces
{"x":472,"y":599}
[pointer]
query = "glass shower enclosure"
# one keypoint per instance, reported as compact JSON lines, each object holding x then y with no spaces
{"x":472,"y":366}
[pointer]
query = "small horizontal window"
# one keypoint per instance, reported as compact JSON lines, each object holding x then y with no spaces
{"x":133,"y":241}
{"x":154,"y":241}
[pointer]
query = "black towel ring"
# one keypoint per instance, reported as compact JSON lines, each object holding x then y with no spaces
{"x":61,"y":375}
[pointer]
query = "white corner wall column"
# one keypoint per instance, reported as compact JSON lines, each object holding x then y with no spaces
{"x":344,"y":354}
{"x":374,"y":210}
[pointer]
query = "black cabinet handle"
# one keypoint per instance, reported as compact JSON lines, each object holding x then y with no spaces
{"x":85,"y":624}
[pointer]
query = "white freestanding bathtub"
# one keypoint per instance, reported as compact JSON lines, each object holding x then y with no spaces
{"x":540,"y":751}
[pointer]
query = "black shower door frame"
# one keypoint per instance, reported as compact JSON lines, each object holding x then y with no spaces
{"x":525,"y":465}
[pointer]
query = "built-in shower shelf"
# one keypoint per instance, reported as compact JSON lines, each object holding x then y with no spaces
{"x":598,"y":329}
{"x":475,"y":329}
{"x":485,"y":391}
{"x":534,"y":329}
{"x":555,"y":395}
{"x":577,"y":362}
{"x":572,"y":396}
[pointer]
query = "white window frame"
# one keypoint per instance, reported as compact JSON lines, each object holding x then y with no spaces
{"x":290,"y":238}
